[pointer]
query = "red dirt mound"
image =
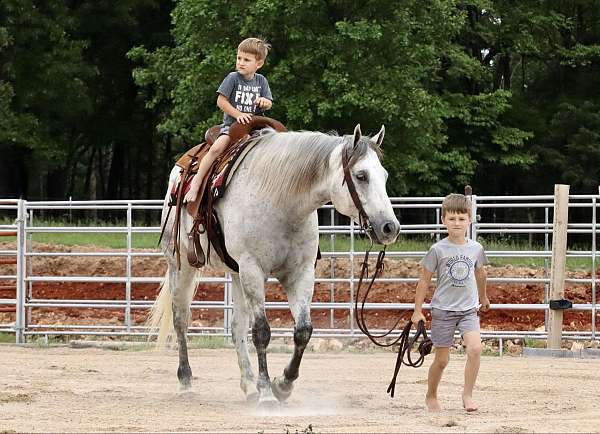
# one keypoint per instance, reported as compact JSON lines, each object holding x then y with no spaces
{"x":513,"y":293}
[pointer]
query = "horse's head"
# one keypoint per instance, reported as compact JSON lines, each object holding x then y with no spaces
{"x":358,"y":186}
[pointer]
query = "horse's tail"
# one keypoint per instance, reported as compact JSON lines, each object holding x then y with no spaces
{"x":161,"y":315}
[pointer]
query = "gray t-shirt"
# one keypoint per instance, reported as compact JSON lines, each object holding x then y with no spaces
{"x":455,"y":266}
{"x":242,"y":93}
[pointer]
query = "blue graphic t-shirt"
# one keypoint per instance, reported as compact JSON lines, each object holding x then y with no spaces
{"x":242,"y":93}
{"x":455,"y":266}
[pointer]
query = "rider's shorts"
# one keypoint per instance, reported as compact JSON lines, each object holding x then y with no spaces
{"x":224,"y":130}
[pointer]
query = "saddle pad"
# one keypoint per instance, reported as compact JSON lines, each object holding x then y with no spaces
{"x":239,"y":160}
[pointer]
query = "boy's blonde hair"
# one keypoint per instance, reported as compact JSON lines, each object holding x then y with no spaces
{"x":255,"y":46}
{"x":456,"y":203}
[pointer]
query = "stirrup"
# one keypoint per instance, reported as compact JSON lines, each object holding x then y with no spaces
{"x":195,"y":254}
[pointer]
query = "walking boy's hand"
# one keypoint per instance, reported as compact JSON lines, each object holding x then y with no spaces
{"x":244,"y":118}
{"x":485,"y":304}
{"x":417,"y":316}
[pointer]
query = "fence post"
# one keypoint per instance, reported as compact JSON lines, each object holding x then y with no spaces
{"x":128,"y":268}
{"x":557,"y":268}
{"x":227,"y":312}
{"x":469,"y":194}
{"x":332,"y":267}
{"x":351,"y":257}
{"x":20,"y":287}
{"x":594,"y":233}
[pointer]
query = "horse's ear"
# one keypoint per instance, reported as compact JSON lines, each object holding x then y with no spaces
{"x":357,"y":135}
{"x":378,"y":138}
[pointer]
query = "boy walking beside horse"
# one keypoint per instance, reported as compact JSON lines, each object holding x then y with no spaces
{"x":461,"y":288}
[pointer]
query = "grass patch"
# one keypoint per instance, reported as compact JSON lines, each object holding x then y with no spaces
{"x":208,"y":342}
{"x":490,"y":352}
{"x":535,"y":262}
{"x":46,"y":341}
{"x":342,"y":243}
{"x":327,"y":242}
{"x":7,"y":338}
{"x":280,"y":349}
{"x":533,"y":343}
{"x":101,"y":239}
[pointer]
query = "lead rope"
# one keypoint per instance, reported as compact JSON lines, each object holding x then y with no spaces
{"x":406,"y":342}
{"x":359,"y":313}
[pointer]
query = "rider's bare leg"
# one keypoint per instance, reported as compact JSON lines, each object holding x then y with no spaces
{"x":213,"y":153}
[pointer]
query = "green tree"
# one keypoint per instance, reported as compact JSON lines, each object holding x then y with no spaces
{"x":43,"y":92}
{"x":546,"y":54}
{"x":121,"y":150}
{"x":72,"y":118}
{"x":338,"y":63}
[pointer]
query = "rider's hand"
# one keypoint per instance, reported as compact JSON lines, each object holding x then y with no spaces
{"x":417,"y":316}
{"x":263,"y":103}
{"x":485,"y":304}
{"x":244,"y":118}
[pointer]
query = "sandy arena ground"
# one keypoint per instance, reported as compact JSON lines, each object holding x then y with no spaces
{"x":62,"y":389}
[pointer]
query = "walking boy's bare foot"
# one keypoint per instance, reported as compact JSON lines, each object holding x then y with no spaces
{"x":469,"y":404}
{"x":432,"y":404}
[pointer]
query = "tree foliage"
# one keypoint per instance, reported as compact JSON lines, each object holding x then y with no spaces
{"x":338,"y":63}
{"x":97,"y":98}
{"x":67,"y":99}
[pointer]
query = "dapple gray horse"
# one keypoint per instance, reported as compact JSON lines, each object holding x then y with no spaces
{"x":269,"y":219}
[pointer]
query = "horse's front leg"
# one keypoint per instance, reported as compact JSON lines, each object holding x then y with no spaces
{"x":253,"y":280}
{"x":299,"y":288}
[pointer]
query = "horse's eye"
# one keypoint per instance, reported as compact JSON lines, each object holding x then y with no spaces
{"x":362,"y":176}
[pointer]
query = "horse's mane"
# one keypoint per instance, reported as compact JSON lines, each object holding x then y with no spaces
{"x":291,"y":162}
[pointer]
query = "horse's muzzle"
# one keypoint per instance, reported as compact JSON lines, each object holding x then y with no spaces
{"x":384,"y":232}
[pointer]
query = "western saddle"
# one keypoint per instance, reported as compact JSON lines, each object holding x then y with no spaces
{"x":211,"y":189}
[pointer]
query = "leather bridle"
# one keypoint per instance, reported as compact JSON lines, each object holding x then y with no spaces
{"x":363,"y":218}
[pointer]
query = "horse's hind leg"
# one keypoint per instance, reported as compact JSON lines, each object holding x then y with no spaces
{"x":183,"y":292}
{"x":299,"y":289}
{"x":253,"y":279}
{"x":240,"y":324}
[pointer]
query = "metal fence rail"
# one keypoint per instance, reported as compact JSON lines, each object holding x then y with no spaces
{"x":26,"y":215}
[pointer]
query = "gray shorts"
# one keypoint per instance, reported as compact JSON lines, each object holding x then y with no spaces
{"x":445,"y":322}
{"x":224,"y":130}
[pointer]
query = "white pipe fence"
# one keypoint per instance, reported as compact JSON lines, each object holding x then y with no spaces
{"x":23,"y":227}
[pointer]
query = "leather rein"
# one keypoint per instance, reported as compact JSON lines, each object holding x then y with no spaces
{"x":406,"y":342}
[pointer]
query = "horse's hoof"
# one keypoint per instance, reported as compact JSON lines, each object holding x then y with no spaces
{"x":185,"y":393}
{"x":268,"y":403}
{"x":252,"y":397}
{"x":184,"y":388}
{"x":281,"y":389}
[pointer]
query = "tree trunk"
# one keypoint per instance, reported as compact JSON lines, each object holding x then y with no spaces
{"x":116,"y":172}
{"x":503,"y":72}
{"x":14,"y":180}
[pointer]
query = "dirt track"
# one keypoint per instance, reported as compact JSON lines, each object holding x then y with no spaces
{"x":82,"y":390}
